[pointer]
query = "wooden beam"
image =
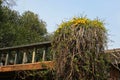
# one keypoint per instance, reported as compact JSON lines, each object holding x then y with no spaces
{"x":30,"y":66}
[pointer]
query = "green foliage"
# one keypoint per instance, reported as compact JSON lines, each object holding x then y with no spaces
{"x":32,"y":22}
{"x":16,"y":29}
{"x":7,"y":27}
{"x":1,"y":17}
{"x":79,"y":46}
{"x":35,"y":75}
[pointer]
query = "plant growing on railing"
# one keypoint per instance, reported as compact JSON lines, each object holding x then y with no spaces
{"x":79,"y":47}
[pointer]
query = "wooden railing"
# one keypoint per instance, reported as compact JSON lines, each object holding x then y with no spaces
{"x":115,"y":58}
{"x":37,"y":56}
{"x":25,"y":54}
{"x":114,"y":55}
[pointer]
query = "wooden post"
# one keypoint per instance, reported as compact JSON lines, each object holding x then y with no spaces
{"x":15,"y":60}
{"x":6,"y":60}
{"x":53,"y":56}
{"x":24,"y":58}
{"x":43,"y":58}
{"x":33,"y":56}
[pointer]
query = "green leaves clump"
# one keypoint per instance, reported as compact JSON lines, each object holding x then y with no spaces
{"x":16,"y":29}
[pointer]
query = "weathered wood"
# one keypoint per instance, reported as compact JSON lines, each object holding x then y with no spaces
{"x":33,"y":56}
{"x":6,"y":60}
{"x":43,"y":58}
{"x":30,"y":66}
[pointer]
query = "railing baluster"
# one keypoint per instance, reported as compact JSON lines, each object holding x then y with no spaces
{"x":53,"y":56}
{"x":24,"y":58}
{"x":33,"y":56}
{"x":43,"y":58}
{"x":1,"y":58}
{"x":15,"y":58}
{"x":6,"y":60}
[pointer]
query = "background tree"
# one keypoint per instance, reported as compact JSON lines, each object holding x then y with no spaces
{"x":8,"y":27}
{"x":32,"y":22}
{"x":1,"y":17}
{"x":19,"y":29}
{"x":31,"y":30}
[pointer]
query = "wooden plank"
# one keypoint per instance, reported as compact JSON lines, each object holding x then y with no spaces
{"x":30,"y":66}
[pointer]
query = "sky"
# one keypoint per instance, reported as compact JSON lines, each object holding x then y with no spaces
{"x":53,"y":12}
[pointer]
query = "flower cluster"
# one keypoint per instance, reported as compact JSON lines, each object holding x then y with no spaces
{"x":80,"y":21}
{"x":76,"y":21}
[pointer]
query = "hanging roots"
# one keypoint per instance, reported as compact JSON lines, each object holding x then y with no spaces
{"x":79,"y":47}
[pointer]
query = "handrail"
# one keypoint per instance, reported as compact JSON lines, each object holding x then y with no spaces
{"x":112,"y":50}
{"x":41,"y":44}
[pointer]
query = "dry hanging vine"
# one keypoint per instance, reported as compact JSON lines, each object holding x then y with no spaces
{"x":79,"y":47}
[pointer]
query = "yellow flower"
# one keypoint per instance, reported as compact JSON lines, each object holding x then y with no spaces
{"x":79,"y":21}
{"x":95,"y":22}
{"x":57,"y":31}
{"x":71,"y":21}
{"x":61,"y":27}
{"x":75,"y":24}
